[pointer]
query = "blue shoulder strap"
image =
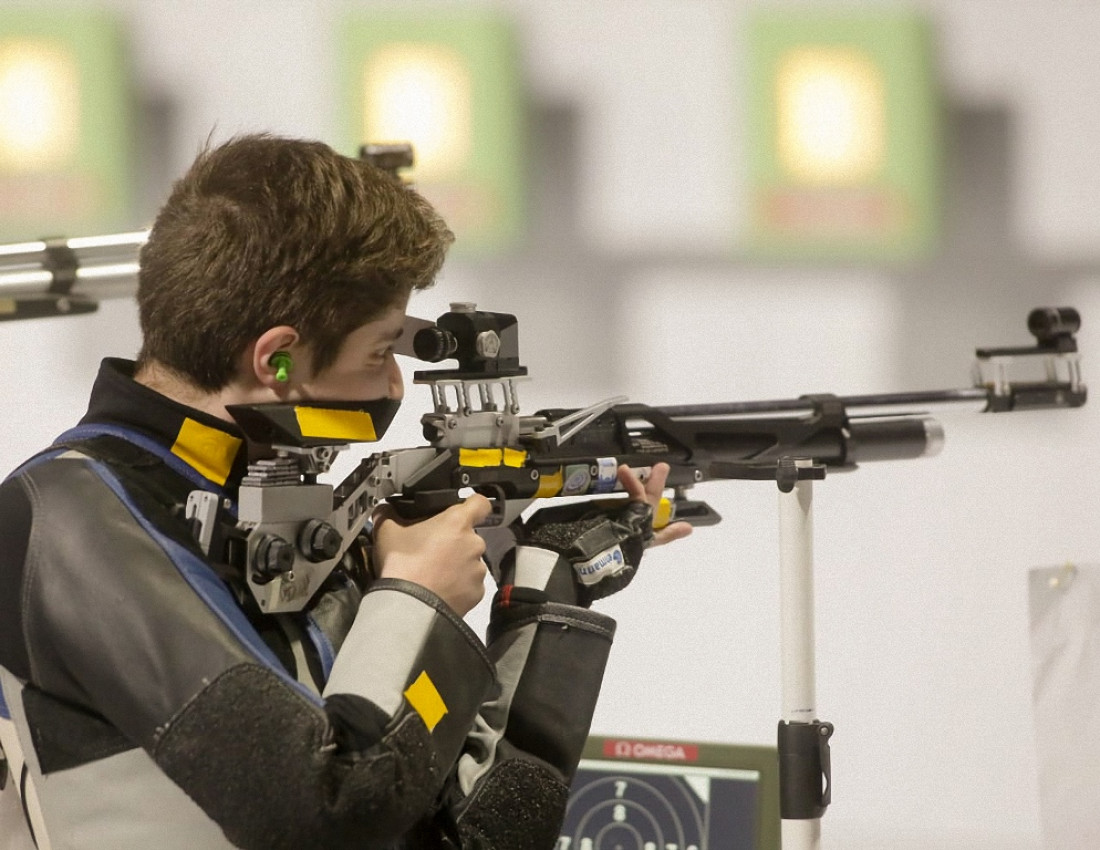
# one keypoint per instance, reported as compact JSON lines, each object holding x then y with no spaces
{"x":194,"y":574}
{"x":176,"y":464}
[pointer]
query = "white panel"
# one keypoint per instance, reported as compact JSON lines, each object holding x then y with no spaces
{"x":49,"y":368}
{"x":695,"y":336}
{"x":657,"y":85}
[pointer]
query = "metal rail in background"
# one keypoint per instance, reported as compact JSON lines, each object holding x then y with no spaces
{"x":58,"y":277}
{"x":62,"y":277}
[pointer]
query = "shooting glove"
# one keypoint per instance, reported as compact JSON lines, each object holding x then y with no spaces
{"x":578,"y":553}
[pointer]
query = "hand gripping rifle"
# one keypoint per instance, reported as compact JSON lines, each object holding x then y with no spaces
{"x":291,"y":530}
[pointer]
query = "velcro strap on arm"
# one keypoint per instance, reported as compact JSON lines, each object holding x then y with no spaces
{"x":407,"y":652}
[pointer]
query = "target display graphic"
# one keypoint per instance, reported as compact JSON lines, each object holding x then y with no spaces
{"x":652,"y":795}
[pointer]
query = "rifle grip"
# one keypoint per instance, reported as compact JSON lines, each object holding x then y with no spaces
{"x":423,"y":503}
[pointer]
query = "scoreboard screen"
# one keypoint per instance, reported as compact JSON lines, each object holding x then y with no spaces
{"x":631,"y":794}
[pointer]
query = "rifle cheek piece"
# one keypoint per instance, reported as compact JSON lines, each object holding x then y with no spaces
{"x":315,"y":424}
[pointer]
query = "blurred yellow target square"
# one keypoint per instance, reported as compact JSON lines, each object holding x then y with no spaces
{"x":449,"y":82}
{"x":66,"y":118}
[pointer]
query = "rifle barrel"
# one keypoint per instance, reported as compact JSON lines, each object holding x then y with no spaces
{"x":806,"y":405}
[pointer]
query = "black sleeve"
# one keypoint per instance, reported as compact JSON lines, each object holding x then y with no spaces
{"x":121,"y":618}
{"x":15,"y":524}
{"x":512,"y":783}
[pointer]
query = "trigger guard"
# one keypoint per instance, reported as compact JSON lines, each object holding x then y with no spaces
{"x":497,"y":502}
{"x":423,"y":504}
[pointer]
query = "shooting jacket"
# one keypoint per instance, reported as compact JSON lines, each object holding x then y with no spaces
{"x":146,"y":702}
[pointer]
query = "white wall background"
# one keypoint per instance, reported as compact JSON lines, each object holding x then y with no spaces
{"x":921,"y":567}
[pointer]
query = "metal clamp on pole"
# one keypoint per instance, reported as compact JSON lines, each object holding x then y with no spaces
{"x":61,"y":261}
{"x":805,"y":780}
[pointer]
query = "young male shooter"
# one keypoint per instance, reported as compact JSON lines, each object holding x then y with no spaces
{"x":146,"y":701}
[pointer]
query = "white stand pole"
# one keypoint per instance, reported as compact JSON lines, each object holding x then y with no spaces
{"x":799,"y":834}
{"x":796,"y":603}
{"x":802,"y":832}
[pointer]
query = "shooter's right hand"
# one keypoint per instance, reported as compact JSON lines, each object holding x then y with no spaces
{"x":442,"y":553}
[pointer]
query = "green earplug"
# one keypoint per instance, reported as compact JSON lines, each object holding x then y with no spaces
{"x":282,"y":363}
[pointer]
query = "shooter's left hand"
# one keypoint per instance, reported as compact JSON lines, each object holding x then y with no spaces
{"x":585,"y":551}
{"x":650,"y":493}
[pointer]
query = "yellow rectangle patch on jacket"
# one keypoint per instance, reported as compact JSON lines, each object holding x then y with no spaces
{"x":425,"y":700}
{"x":210,"y":451}
{"x":328,"y":424}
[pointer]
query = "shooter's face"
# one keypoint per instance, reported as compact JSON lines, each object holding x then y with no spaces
{"x":365,"y":369}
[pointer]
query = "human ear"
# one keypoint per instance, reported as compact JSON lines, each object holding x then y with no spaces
{"x":273,"y":356}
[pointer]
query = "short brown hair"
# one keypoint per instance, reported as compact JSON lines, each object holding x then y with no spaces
{"x":265,"y":231}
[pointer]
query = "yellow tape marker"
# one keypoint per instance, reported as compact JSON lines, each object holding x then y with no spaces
{"x":210,"y":451}
{"x":663,"y":515}
{"x":479,"y":457}
{"x":515,"y":457}
{"x":425,"y":700}
{"x":550,"y":484}
{"x":328,"y":424}
{"x":492,"y":457}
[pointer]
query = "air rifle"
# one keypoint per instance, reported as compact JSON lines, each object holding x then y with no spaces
{"x":291,"y":530}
